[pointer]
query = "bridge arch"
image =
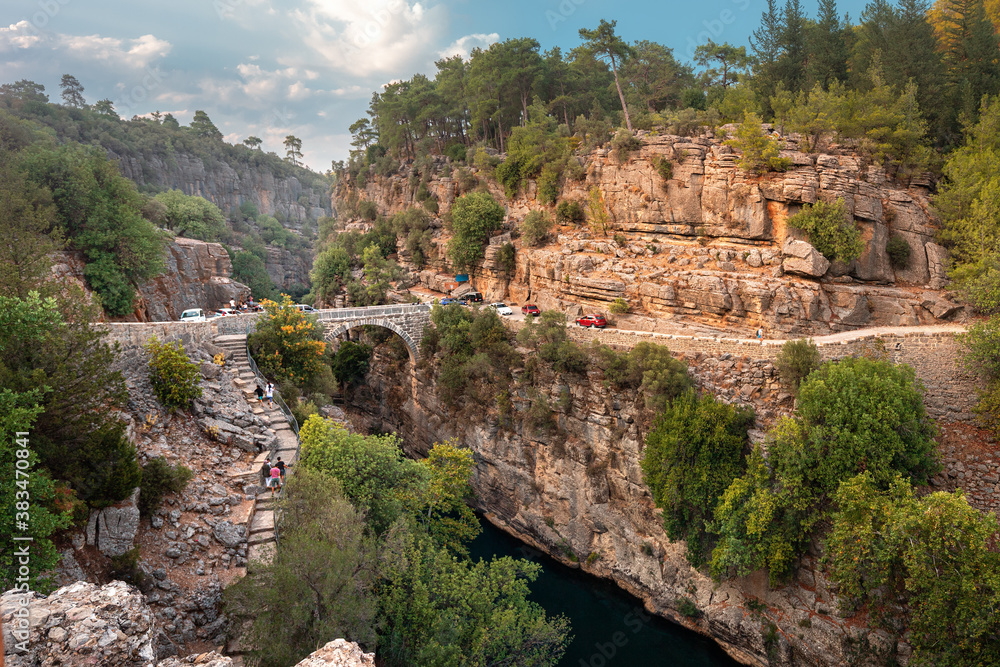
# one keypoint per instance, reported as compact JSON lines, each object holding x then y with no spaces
{"x":406,"y":321}
{"x":341,"y":329}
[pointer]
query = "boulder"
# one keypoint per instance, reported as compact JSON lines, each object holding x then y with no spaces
{"x":228,"y":534}
{"x":80,"y":624}
{"x":803,"y":259}
{"x":230,"y":434}
{"x":210,"y":371}
{"x":211,"y":659}
{"x":113,"y":529}
{"x":339,"y":653}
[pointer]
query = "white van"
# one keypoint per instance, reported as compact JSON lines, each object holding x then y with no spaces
{"x":193,"y":315}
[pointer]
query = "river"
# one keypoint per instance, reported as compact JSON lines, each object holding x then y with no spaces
{"x":610,"y":627}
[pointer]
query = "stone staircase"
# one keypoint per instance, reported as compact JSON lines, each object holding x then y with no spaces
{"x":260,"y":529}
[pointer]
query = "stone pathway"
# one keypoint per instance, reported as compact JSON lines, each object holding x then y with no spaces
{"x":261,"y":537}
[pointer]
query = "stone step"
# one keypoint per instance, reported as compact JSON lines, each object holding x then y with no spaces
{"x":260,"y":538}
{"x":261,"y":552}
{"x":262,"y":521}
{"x":228,"y":338}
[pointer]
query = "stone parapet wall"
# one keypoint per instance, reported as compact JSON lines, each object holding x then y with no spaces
{"x":934,"y":356}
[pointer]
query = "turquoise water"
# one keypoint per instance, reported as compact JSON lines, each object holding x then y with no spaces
{"x":610,"y":627}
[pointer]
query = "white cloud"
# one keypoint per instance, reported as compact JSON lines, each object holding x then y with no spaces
{"x":365,"y":38}
{"x":463,"y":46}
{"x":134,"y":53}
{"x":20,"y":35}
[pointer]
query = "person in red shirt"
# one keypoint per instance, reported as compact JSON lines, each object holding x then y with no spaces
{"x":275,"y":481}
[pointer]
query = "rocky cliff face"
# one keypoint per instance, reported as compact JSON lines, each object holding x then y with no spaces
{"x":227,"y":186}
{"x":111,"y":626}
{"x":577,"y":493}
{"x":710,"y":244}
{"x":197,"y":275}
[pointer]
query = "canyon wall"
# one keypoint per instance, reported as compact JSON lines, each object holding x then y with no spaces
{"x":577,"y":493}
{"x":225,"y":185}
{"x":710,"y":244}
{"x":197,"y":275}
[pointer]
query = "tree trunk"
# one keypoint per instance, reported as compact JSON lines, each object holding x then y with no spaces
{"x":621,"y":96}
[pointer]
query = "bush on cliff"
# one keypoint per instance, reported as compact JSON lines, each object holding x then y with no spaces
{"x":935,"y":553}
{"x":158,"y":479}
{"x":175,"y":378}
{"x":649,"y":368}
{"x":830,"y":230}
{"x":473,"y":218}
{"x":796,"y":360}
{"x":696,"y":449}
{"x":853,"y":415}
{"x":193,"y":217}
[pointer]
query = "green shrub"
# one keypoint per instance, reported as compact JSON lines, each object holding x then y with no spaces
{"x":548,"y":184}
{"x":758,"y":152}
{"x":539,"y":415}
{"x":367,"y":210}
{"x":431,"y":205}
{"x":125,"y":567}
{"x":688,"y":608}
{"x":619,"y":306}
{"x":175,"y":378}
{"x":456,"y":152}
{"x":796,"y":360}
{"x":535,"y":228}
{"x":158,"y":479}
{"x":624,"y":144}
{"x":899,"y":252}
{"x":569,"y":212}
{"x":506,"y":260}
{"x":830,"y":230}
{"x":649,"y":368}
{"x":467,"y":181}
{"x":665,"y":168}
{"x":473,"y":218}
{"x":621,"y":239}
{"x":853,"y":416}
{"x":423,"y":192}
{"x":694,"y":452}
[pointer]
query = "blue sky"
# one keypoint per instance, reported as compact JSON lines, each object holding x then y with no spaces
{"x":308,"y":67}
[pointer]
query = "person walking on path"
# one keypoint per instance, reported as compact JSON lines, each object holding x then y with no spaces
{"x":275,"y":481}
{"x":265,"y":474}
{"x":260,"y":394}
{"x":270,"y":395}
{"x":760,"y":335}
{"x":280,"y":465}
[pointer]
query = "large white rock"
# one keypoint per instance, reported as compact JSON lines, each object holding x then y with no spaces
{"x":339,"y":653}
{"x":803,"y":259}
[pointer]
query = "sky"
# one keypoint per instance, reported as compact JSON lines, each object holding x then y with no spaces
{"x":271,"y":68}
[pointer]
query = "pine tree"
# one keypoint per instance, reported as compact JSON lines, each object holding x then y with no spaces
{"x":827,"y":46}
{"x":72,"y":91}
{"x":791,"y":64}
{"x":972,"y":53}
{"x":765,"y":42}
{"x":604,"y":43}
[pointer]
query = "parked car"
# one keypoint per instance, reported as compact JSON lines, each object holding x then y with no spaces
{"x":193,"y":315}
{"x":471,"y":297}
{"x":303,"y":308}
{"x":530,"y":309}
{"x":501,"y":308}
{"x":592,"y":321}
{"x":226,"y":312}
{"x":447,"y":301}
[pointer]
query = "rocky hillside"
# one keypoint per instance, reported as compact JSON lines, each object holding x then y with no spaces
{"x":710,"y":243}
{"x":112,"y":626}
{"x":227,"y":185}
{"x":197,"y":275}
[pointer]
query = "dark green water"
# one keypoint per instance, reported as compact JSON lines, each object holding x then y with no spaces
{"x":610,"y":627}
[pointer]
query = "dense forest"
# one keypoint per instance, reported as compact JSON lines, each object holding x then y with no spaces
{"x":57,"y":158}
{"x":809,"y":74}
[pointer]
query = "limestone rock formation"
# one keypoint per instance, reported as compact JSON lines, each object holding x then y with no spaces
{"x":113,"y":529}
{"x":803,"y":259}
{"x":339,"y":653}
{"x":80,"y":624}
{"x":706,"y":244}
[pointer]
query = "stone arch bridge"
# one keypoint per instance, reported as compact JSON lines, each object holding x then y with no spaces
{"x":406,"y":321}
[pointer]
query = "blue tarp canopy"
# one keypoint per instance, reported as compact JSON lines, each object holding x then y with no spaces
{"x":462,"y":278}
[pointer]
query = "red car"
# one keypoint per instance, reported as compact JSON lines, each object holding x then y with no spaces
{"x":592,"y":321}
{"x":530,"y":309}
